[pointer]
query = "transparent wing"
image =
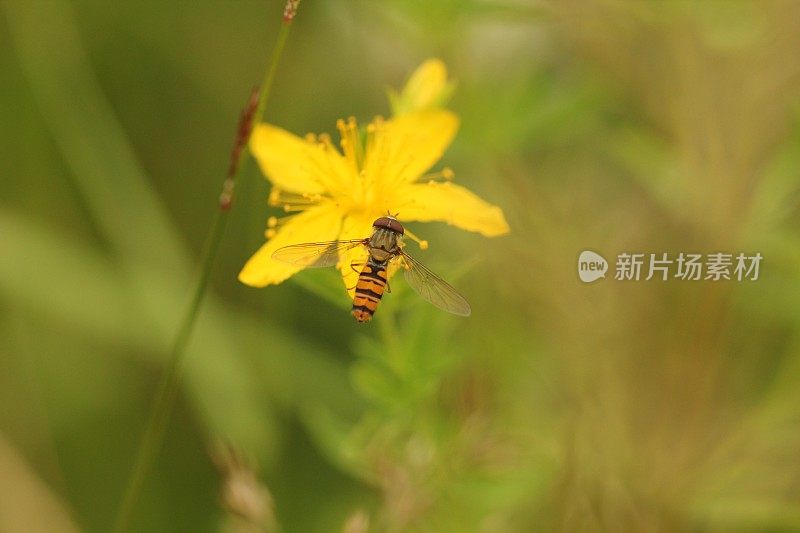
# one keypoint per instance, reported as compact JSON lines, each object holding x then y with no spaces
{"x":315,"y":254}
{"x":434,"y":289}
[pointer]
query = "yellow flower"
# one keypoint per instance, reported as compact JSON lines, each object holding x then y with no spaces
{"x":426,"y":88}
{"x":333,"y":195}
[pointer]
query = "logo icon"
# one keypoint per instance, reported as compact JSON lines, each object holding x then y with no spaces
{"x":591,"y":266}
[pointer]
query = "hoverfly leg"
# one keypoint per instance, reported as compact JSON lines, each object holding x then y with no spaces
{"x":356,"y":267}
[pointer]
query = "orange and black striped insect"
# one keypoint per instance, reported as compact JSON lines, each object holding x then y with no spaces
{"x":385,"y":246}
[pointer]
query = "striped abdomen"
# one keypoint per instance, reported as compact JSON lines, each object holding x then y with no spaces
{"x":369,"y":289}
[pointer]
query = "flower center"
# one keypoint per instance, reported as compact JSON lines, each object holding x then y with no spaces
{"x":370,"y":156}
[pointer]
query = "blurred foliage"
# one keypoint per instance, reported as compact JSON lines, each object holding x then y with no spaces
{"x":604,"y":124}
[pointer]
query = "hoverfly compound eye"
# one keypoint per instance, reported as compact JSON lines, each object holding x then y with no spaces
{"x":389,"y":223}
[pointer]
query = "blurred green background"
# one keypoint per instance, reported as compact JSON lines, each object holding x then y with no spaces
{"x":602,"y":124}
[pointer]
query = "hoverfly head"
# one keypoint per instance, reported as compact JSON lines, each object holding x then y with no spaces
{"x":390,"y":223}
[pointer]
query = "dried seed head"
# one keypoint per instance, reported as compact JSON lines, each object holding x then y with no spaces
{"x":242,"y":136}
{"x":358,"y":522}
{"x":290,"y":10}
{"x":242,"y":494}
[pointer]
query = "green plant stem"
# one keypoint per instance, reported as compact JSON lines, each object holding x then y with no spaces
{"x":269,"y":77}
{"x":168,"y":387}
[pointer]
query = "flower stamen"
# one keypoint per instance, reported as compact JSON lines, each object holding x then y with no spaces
{"x":444,"y":175}
{"x":291,"y":202}
{"x":423,"y":244}
{"x":274,"y":224}
{"x":351,"y":142}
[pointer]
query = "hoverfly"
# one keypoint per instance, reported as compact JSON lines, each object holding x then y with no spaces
{"x":384,"y":246}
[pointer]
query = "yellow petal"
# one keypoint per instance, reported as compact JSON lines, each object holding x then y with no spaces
{"x":298,"y":165}
{"x":319,"y":223}
{"x":427,"y":87}
{"x":451,"y":203}
{"x":405,"y":147}
{"x":355,"y":226}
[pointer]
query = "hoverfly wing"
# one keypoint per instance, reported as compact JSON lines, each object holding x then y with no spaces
{"x":315,"y":254}
{"x":433,"y":288}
